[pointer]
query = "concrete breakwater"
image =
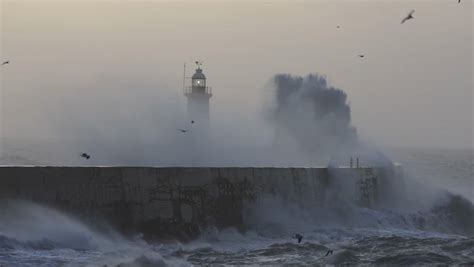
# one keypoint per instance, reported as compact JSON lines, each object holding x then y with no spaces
{"x":165,"y":202}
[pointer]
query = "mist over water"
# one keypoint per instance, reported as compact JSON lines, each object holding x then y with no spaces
{"x":303,"y":121}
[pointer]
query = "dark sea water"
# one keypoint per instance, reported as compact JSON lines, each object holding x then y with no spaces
{"x":432,"y":224}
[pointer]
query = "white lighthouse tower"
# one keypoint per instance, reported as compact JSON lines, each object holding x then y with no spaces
{"x":198,"y":95}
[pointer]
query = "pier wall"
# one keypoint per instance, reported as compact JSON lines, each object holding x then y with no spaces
{"x":165,"y":202}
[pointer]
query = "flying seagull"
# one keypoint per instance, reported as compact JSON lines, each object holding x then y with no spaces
{"x":328,"y":253}
{"x":182,"y":130}
{"x":299,"y":237}
{"x":361,"y":56}
{"x":85,"y":155}
{"x":410,"y":16}
{"x":6,"y":62}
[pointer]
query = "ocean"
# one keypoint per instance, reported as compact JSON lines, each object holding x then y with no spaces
{"x":431,"y":224}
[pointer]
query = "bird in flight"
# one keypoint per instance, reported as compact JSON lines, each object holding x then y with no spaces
{"x":182,"y":130}
{"x":299,"y":237}
{"x":6,"y":62}
{"x":328,"y":253}
{"x":85,"y":155}
{"x":361,"y":56}
{"x":338,"y":26}
{"x":410,"y":16}
{"x":192,"y":121}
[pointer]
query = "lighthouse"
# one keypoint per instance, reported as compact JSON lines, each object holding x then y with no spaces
{"x":198,"y":95}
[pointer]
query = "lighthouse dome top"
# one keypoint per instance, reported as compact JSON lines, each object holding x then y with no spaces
{"x":199,"y":74}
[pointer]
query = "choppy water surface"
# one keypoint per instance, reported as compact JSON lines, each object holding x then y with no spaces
{"x":350,"y":246}
{"x":439,"y":233}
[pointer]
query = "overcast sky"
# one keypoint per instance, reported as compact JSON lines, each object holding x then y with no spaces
{"x":414,"y":86}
